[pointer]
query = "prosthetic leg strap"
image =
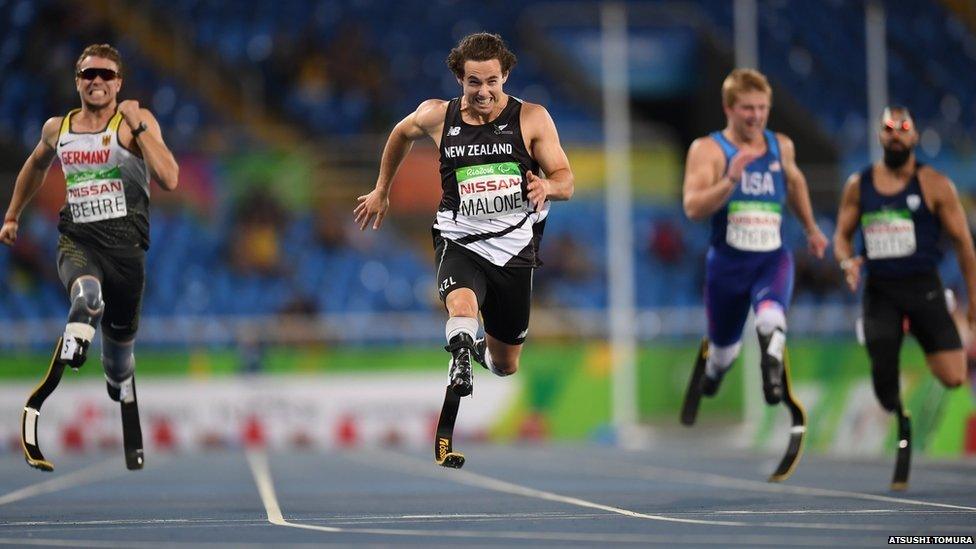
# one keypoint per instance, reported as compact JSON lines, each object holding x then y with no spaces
{"x":131,"y":430}
{"x":798,"y":428}
{"x":903,"y":460}
{"x":444,"y":453}
{"x":32,"y":412}
{"x":689,"y":410}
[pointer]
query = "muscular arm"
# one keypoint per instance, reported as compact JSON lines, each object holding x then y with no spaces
{"x":422,"y":122}
{"x":847,"y":219}
{"x":953,"y":218}
{"x":798,"y":196}
{"x":428,"y":119}
{"x":548,"y":152}
{"x":159,"y":160}
{"x":31,"y":175}
{"x":706,"y":189}
{"x":797,"y":192}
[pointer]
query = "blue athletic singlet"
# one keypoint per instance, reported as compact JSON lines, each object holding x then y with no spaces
{"x":747,"y":263}
{"x":752,"y":219}
{"x":900,"y":234}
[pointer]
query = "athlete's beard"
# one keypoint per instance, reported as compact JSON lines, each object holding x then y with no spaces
{"x":895,"y":158}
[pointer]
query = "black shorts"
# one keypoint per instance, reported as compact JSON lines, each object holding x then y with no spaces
{"x":122,"y":275}
{"x":504,"y":293}
{"x":920,"y":298}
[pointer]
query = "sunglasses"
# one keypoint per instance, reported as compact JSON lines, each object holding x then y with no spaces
{"x":891,"y":126}
{"x":106,"y":75}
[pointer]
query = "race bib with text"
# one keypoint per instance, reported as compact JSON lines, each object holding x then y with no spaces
{"x":488,"y":191}
{"x":96,"y":195}
{"x":754,"y":226}
{"x":888,"y":234}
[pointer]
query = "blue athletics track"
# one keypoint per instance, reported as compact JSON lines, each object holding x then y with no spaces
{"x":675,"y":492}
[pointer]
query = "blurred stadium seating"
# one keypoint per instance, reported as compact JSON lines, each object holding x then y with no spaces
{"x":347,"y":71}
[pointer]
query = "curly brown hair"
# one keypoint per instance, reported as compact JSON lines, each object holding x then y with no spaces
{"x":480,"y":46}
{"x":104,"y":51}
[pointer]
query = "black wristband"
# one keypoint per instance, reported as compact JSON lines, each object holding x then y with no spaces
{"x":139,"y":129}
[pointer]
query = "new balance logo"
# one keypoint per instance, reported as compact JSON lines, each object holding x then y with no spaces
{"x":453,"y":131}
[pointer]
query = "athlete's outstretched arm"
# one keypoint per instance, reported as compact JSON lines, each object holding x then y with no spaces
{"x":159,"y":160}
{"x":706,"y":188}
{"x":428,"y":117}
{"x":847,"y":218}
{"x":30,"y":178}
{"x":559,"y":183}
{"x":798,"y":195}
{"x":953,"y":218}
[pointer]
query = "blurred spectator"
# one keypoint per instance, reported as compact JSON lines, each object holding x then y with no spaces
{"x":666,"y":242}
{"x":256,"y":247}
{"x":565,"y":260}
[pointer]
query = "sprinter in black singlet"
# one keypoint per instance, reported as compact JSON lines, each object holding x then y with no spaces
{"x":500,"y":163}
{"x":108,"y":151}
{"x":901,"y":208}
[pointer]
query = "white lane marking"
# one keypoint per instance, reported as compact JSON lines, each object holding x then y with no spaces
{"x":87,"y":475}
{"x":417,"y":466}
{"x":421,"y":467}
{"x":258,"y":461}
{"x":650,"y":472}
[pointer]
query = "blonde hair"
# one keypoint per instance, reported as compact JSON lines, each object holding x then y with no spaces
{"x":741,"y":81}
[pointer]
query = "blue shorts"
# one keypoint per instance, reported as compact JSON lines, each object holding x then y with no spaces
{"x":733,"y":281}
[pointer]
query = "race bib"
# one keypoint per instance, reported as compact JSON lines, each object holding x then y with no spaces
{"x":488,"y":191}
{"x":94,"y":196}
{"x":754,"y":226}
{"x":888,"y":234}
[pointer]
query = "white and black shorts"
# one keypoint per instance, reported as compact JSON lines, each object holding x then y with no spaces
{"x":504,"y":293}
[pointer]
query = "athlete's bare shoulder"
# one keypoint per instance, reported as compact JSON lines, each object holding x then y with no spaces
{"x":534,"y":120}
{"x":705,"y":149}
{"x":785,"y":144}
{"x":927,"y":175}
{"x":935,"y":184}
{"x":852,"y":187}
{"x":50,"y":130}
{"x":430,"y":114}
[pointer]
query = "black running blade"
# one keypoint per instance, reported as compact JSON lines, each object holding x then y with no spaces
{"x":444,"y":453}
{"x":903,"y":460}
{"x":132,"y":432}
{"x":689,"y":410}
{"x":798,"y":428}
{"x":792,"y":455}
{"x":32,"y":453}
{"x":32,"y":413}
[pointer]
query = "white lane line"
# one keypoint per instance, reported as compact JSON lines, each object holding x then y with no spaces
{"x":417,"y":466}
{"x":87,"y":475}
{"x":421,"y":467}
{"x":650,"y":472}
{"x":260,"y":470}
{"x":258,"y":461}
